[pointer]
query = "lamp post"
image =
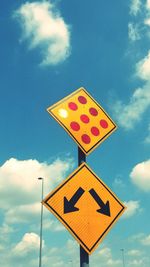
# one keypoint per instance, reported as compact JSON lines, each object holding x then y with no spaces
{"x":41,"y":224}
{"x":122,"y":250}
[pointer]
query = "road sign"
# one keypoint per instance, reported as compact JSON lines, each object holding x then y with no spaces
{"x":84,"y":119}
{"x":86,"y":207}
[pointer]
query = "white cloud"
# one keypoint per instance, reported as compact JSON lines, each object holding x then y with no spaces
{"x":31,"y":213}
{"x":147,"y":21}
{"x":133,"y":207}
{"x":148,"y":4}
{"x":137,"y":262}
{"x":53,"y":225}
{"x":6,"y":232}
{"x":136,"y":238}
{"x":140,"y":175}
{"x":44,"y":28}
{"x":128,"y":115}
{"x":147,"y":139}
{"x":21,"y":199}
{"x":135,"y":7}
{"x":104,"y":256}
{"x":6,"y":229}
{"x":133,"y":32}
{"x":67,"y":254}
{"x":118,"y":183}
{"x":23,"y":213}
{"x":24,"y":187}
{"x":143,"y":68}
{"x":29,"y":242}
{"x":134,"y":253}
{"x":146,"y":241}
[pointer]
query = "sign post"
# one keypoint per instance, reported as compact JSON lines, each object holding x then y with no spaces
{"x":83,"y":203}
{"x":84,"y":256}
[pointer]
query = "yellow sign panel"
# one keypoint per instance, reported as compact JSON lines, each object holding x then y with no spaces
{"x":86,"y":207}
{"x":84,"y":119}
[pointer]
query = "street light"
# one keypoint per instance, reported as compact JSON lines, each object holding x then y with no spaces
{"x":41,"y":225}
{"x":123,"y":257}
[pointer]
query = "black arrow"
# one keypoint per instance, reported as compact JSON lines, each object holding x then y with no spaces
{"x":69,"y":205}
{"x":104,"y":208}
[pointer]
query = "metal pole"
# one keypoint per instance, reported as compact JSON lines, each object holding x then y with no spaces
{"x":41,"y":224}
{"x":123,"y":261}
{"x":84,"y":256}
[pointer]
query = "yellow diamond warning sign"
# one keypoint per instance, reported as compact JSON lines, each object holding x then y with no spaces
{"x":86,"y":207}
{"x":84,"y":119}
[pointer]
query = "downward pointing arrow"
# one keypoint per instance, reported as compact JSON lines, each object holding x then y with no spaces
{"x":104,"y":208}
{"x":69,"y":205}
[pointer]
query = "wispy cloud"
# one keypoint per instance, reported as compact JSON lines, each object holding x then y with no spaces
{"x":133,"y":32}
{"x":53,"y":225}
{"x":129,"y":114}
{"x":135,"y":7}
{"x":137,"y":262}
{"x":44,"y":28}
{"x":105,"y":257}
{"x":23,"y":213}
{"x":132,"y":208}
{"x":118,"y":182}
{"x":146,"y":241}
{"x":147,"y":138}
{"x":134,"y":253}
{"x":143,"y":68}
{"x":140,"y":175}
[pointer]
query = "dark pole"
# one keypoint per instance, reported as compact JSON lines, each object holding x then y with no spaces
{"x":123,"y":261}
{"x":84,"y":256}
{"x":41,"y":224}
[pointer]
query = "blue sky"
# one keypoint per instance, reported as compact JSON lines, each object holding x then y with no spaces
{"x":49,"y":49}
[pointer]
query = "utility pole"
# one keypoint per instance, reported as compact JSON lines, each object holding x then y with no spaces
{"x":84,"y":256}
{"x":41,"y":223}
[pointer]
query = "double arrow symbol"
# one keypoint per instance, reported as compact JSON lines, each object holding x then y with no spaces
{"x":69,"y":205}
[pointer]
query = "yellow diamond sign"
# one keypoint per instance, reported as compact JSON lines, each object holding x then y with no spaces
{"x":84,"y":119}
{"x":85,"y":206}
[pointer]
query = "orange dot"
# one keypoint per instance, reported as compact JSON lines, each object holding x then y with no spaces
{"x":104,"y":124}
{"x":86,"y":139}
